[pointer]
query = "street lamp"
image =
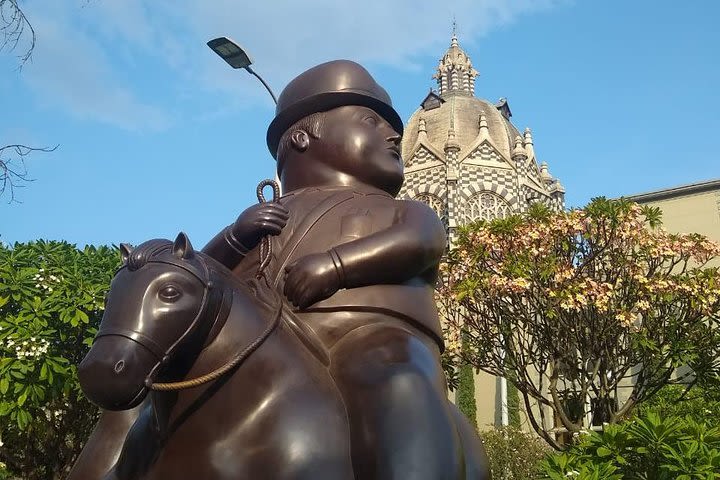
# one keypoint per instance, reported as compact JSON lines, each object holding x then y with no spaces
{"x":236,"y":57}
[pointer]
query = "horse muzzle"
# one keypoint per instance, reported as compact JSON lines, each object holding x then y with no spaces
{"x":112,"y":374}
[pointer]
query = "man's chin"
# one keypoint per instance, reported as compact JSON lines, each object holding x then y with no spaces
{"x":394,"y":182}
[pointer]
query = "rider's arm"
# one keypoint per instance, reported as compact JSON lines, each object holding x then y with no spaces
{"x":225,"y":248}
{"x":231,"y":245}
{"x":411,"y":247}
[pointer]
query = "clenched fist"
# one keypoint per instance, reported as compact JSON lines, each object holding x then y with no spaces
{"x":310,"y":279}
{"x":260,"y":220}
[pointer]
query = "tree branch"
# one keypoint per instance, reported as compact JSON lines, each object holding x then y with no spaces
{"x":13,"y":27}
{"x":13,"y":172}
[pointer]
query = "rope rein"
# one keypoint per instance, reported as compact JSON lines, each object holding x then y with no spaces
{"x":214,"y":375}
{"x":265,"y":258}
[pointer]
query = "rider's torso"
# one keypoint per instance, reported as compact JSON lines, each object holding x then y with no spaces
{"x":322,"y":219}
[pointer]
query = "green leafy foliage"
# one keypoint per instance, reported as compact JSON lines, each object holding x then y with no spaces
{"x":567,"y":466}
{"x":513,"y":404}
{"x":513,"y":454}
{"x":647,"y":447}
{"x":465,"y":396}
{"x":700,"y":404}
{"x":51,"y":302}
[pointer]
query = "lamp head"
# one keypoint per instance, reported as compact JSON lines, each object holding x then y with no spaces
{"x":230,"y":51}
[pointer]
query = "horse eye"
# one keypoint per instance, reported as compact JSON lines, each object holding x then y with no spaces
{"x":169,"y":293}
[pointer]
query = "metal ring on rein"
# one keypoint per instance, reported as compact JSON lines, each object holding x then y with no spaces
{"x":265,"y":248}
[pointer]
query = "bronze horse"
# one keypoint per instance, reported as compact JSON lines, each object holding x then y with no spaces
{"x":175,"y":314}
{"x":182,"y":403}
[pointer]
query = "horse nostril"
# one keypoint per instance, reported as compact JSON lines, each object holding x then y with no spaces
{"x":119,"y":366}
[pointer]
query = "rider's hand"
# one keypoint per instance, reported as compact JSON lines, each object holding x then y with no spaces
{"x":259,"y":220}
{"x":310,"y":279}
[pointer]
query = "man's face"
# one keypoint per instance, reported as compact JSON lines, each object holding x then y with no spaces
{"x":358,"y":142}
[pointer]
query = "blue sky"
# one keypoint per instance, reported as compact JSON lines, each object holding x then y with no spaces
{"x":156,"y":134}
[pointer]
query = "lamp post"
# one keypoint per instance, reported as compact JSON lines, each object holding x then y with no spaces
{"x":236,"y":57}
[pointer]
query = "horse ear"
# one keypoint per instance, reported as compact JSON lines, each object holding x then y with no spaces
{"x":125,"y":250}
{"x":182,"y":248}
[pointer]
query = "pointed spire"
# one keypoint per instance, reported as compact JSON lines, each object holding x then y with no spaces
{"x":518,"y":153}
{"x":553,"y":184}
{"x":452,"y":143}
{"x":545,"y":172}
{"x":484,"y":131}
{"x":528,"y":137}
{"x":483,"y":120}
{"x":528,"y":143}
{"x":453,"y":41}
{"x":422,"y":128}
{"x":455,"y":73}
{"x":558,"y":189}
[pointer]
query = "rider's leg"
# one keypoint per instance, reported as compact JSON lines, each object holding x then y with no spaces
{"x":476,"y":460}
{"x":394,"y":389}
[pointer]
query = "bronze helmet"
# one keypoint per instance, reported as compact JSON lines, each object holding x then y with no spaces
{"x":327,"y":86}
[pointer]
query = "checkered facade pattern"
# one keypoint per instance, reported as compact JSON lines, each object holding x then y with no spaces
{"x":480,"y":184}
{"x":465,"y":159}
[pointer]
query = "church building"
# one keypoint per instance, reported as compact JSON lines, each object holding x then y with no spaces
{"x":465,"y":158}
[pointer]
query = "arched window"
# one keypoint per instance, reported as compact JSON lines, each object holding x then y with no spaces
{"x":436,"y":204}
{"x":486,"y":206}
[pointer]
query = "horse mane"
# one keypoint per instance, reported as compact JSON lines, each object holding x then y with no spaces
{"x":218,"y":269}
{"x":149,"y":250}
{"x":142,"y":254}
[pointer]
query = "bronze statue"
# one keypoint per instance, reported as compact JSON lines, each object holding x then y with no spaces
{"x":233,"y":394}
{"x":351,"y":272}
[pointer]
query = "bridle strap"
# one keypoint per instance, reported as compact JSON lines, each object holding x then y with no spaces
{"x":231,"y":364}
{"x":212,"y":304}
{"x":136,"y":337}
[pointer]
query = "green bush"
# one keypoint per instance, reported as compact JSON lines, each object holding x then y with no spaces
{"x":51,"y":302}
{"x":647,"y":447}
{"x":513,"y":454}
{"x":700,"y":404}
{"x":4,"y":474}
{"x":569,"y":467}
{"x":465,"y":396}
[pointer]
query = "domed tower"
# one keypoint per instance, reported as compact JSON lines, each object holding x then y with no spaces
{"x":465,"y":158}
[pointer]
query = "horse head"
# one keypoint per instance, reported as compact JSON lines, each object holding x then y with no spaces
{"x":160,"y":309}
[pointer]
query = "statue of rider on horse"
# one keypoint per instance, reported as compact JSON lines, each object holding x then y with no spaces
{"x":303,"y":341}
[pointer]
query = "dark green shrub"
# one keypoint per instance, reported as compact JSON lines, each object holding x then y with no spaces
{"x":465,"y":396}
{"x":51,"y":302}
{"x":513,"y":454}
{"x":700,"y":404}
{"x":645,"y":448}
{"x":570,"y":467}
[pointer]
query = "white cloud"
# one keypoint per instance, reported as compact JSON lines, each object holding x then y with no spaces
{"x":288,"y":37}
{"x":81,"y":51}
{"x":71,"y":69}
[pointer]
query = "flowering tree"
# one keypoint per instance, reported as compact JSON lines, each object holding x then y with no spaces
{"x":587,"y":312}
{"x":51,"y":302}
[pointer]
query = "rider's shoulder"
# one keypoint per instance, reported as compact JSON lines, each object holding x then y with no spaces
{"x":417,"y":207}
